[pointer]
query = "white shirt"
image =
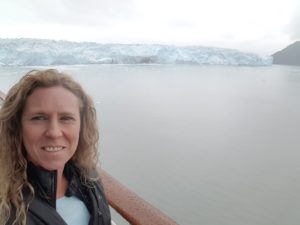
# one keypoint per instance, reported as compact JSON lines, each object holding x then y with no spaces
{"x":73,"y":210}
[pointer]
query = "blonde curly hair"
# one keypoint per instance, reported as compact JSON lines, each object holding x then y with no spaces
{"x":13,"y":162}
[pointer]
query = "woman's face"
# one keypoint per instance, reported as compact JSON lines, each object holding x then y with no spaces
{"x":51,"y":126}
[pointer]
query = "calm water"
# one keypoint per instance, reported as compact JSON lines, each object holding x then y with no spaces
{"x":208,"y":145}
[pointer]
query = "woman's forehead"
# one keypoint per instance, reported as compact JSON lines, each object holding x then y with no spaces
{"x":55,"y":98}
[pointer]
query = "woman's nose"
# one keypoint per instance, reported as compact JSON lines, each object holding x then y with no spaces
{"x":53,"y":129}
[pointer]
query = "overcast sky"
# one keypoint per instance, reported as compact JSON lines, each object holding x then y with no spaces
{"x":259,"y":26}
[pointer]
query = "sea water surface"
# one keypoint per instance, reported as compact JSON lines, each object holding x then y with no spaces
{"x":211,"y":145}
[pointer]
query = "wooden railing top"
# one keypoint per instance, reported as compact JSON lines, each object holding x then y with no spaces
{"x":128,"y":204}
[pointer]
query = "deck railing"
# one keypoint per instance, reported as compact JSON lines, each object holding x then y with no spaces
{"x":128,"y":204}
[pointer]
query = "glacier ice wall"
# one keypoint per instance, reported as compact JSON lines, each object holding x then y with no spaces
{"x":37,"y":52}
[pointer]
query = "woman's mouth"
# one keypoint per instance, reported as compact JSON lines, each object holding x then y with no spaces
{"x":52,"y":148}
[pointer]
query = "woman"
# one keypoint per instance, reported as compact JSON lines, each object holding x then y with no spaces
{"x":48,"y":154}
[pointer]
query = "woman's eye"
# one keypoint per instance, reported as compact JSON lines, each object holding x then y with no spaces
{"x":40,"y":117}
{"x":67,"y":118}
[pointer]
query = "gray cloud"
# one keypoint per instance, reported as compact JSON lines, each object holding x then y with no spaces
{"x":294,"y":26}
{"x":70,"y":12}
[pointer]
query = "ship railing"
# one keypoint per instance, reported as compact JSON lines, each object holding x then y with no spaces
{"x":133,"y":208}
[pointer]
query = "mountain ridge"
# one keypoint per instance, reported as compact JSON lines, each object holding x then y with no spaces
{"x":290,"y":55}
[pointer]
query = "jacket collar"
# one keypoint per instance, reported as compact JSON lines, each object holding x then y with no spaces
{"x":44,"y":182}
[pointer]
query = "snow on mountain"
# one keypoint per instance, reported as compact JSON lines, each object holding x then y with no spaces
{"x":37,"y":52}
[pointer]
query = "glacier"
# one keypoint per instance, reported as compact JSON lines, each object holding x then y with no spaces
{"x":43,"y":52}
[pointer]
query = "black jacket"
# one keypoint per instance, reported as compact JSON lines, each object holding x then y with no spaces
{"x":42,"y":205}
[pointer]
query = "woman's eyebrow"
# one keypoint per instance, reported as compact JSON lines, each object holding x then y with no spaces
{"x":67,"y":114}
{"x":36,"y":113}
